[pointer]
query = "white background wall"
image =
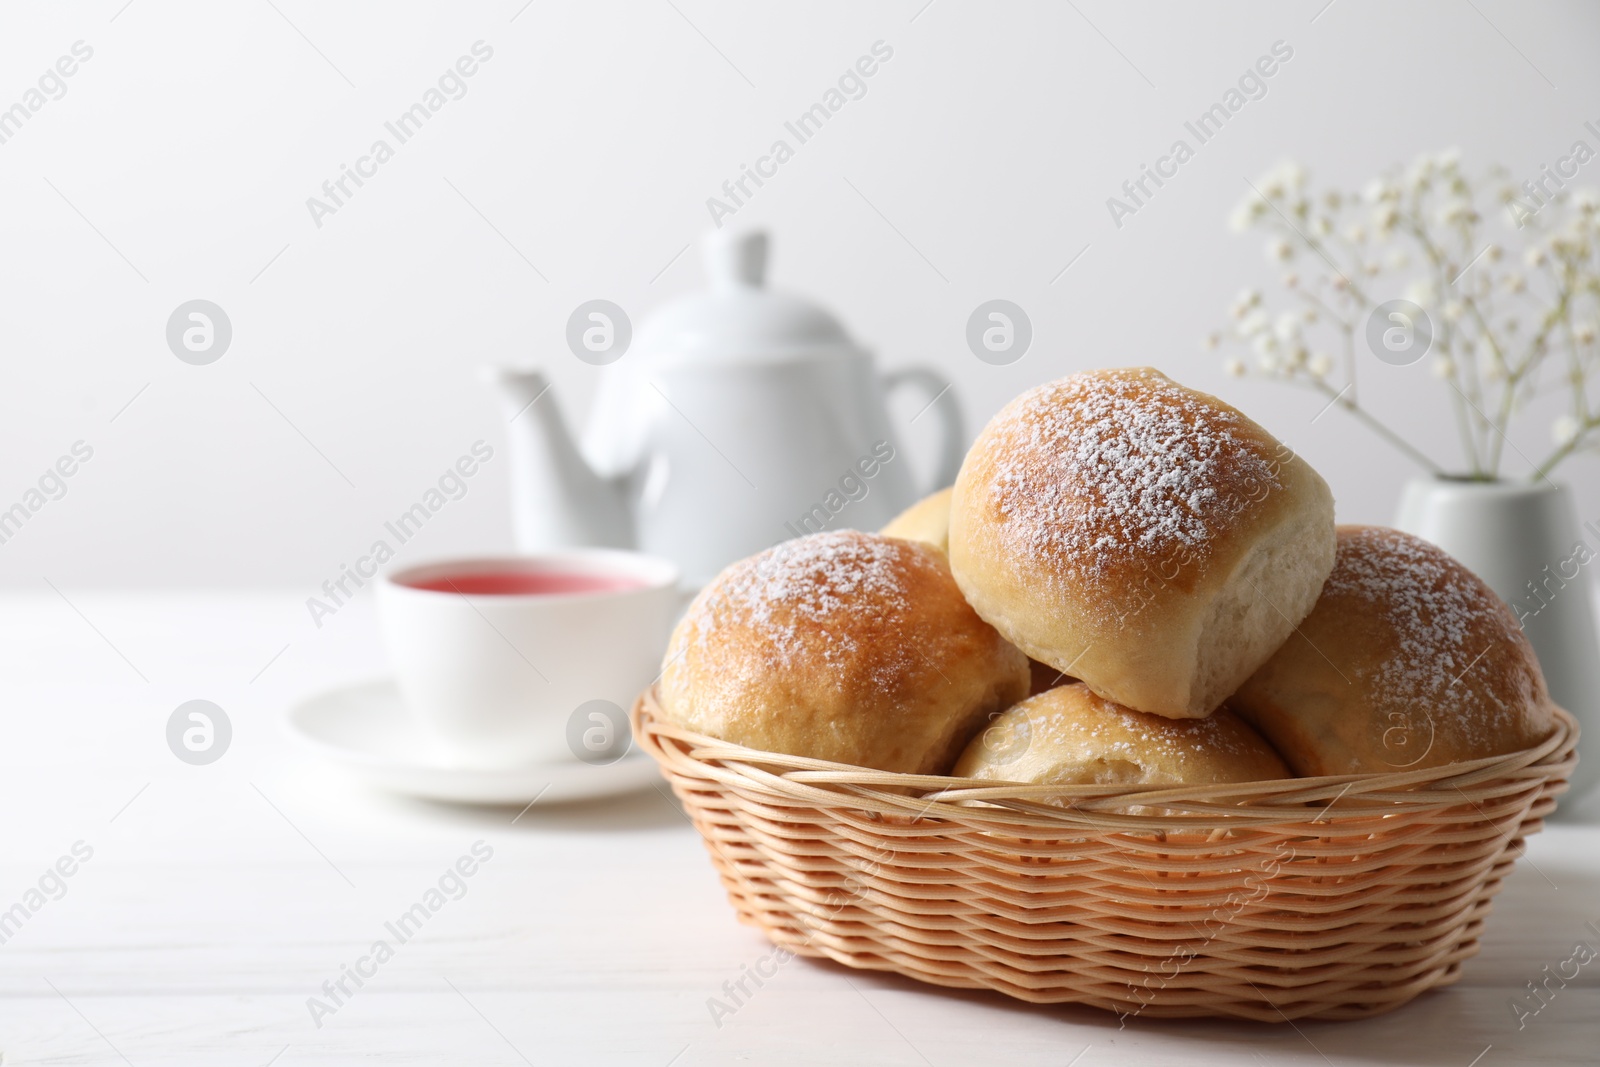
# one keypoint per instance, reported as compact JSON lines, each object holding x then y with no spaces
{"x":194,"y":135}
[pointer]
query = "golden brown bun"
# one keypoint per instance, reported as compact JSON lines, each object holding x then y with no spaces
{"x":926,"y":520}
{"x":1141,"y":536}
{"x":1408,"y":660}
{"x":1070,"y":736}
{"x":841,"y":646}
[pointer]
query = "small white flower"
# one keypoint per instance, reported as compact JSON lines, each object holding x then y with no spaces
{"x":1234,"y":367}
{"x":1371,"y":269}
{"x":1449,"y":159}
{"x":1322,"y":225}
{"x":1320,"y":364}
{"x":1586,"y":200}
{"x":1309,"y":315}
{"x":1265,"y":345}
{"x":1565,"y":429}
{"x":1453,"y":212}
{"x":1584,"y":332}
{"x":1515,"y":283}
{"x":1444,"y":367}
{"x":1421,"y":291}
{"x":1291,"y":280}
{"x":1534,"y":256}
{"x":1397,"y":259}
{"x":1355,"y":233}
{"x":1210,"y":341}
{"x":1279,"y":249}
{"x":1295,"y":357}
{"x":1493,"y":253}
{"x":1240,"y":218}
{"x":1386,"y":218}
{"x":1268,"y":362}
{"x":1287,"y":326}
{"x":1242,"y":303}
{"x":1339,"y":282}
{"x":1253,"y":323}
{"x":1454,"y":309}
{"x":1376,"y":191}
{"x":1333,"y":200}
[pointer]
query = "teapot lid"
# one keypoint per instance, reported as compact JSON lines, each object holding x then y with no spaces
{"x":738,"y":319}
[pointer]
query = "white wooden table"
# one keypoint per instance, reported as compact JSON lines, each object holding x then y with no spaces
{"x":218,"y":899}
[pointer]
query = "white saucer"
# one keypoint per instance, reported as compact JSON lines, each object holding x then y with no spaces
{"x":368,"y":731}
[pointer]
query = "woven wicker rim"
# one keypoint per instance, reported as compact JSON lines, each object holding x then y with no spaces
{"x":1343,"y":797}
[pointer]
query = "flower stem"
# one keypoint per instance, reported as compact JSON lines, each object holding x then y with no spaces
{"x":1379,"y":428}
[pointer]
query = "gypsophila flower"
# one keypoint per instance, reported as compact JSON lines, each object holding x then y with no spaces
{"x":1421,"y":291}
{"x":1210,"y":341}
{"x":1416,"y":231}
{"x":1453,"y":212}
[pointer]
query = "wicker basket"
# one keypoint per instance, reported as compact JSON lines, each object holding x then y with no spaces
{"x":1328,"y":898}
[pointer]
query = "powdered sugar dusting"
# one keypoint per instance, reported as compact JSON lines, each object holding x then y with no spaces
{"x":1122,"y":733}
{"x":1109,"y":468}
{"x":812,"y":596}
{"x":1443,"y":622}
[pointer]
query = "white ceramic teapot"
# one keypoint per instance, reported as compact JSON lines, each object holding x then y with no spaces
{"x":738,"y":418}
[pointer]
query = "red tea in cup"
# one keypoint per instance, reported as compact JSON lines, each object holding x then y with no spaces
{"x":527,"y":583}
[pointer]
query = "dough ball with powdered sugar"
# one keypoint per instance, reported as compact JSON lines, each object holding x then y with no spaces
{"x":842,"y":646}
{"x":1141,"y":536}
{"x":1407,"y":661}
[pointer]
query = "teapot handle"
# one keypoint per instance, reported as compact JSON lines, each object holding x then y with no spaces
{"x":936,"y":387}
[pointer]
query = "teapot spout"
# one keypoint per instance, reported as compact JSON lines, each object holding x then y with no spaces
{"x":557,"y":499}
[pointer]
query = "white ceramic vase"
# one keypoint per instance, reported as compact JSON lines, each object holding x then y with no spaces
{"x":1525,"y":541}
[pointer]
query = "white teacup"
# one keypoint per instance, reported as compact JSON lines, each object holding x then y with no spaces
{"x":518,"y":659}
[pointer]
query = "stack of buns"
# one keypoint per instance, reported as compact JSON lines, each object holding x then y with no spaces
{"x":1130,"y":582}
